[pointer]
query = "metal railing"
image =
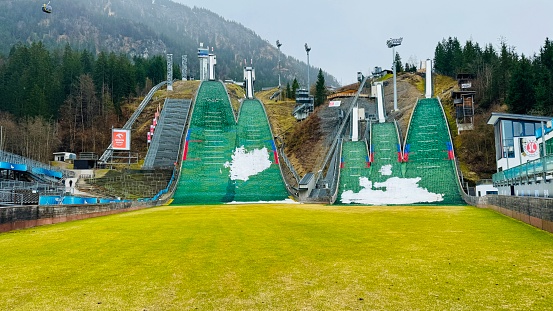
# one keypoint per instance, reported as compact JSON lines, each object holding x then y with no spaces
{"x":340,"y":131}
{"x":542,"y":165}
{"x":17,"y":159}
{"x":109,"y":152}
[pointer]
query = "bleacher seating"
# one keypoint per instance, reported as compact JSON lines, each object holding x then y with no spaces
{"x":33,"y":166}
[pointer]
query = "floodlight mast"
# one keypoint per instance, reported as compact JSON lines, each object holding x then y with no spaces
{"x":307,"y":50}
{"x":278,"y":44}
{"x":392,"y":43}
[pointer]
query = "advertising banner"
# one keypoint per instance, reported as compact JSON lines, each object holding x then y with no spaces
{"x":121,"y":139}
{"x":334,"y":103}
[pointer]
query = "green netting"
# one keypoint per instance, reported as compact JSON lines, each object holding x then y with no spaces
{"x":213,"y":137}
{"x":254,"y":133}
{"x":384,"y":142}
{"x":211,"y":141}
{"x":353,"y":166}
{"x":428,"y":141}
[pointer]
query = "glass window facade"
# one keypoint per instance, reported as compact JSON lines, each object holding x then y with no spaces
{"x":506,"y":131}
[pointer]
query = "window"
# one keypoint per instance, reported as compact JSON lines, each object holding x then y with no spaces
{"x":508,"y":143}
{"x":530,"y":128}
{"x":498,"y":146}
{"x":518,"y":129}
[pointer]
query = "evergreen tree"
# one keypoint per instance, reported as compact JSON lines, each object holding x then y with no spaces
{"x":71,"y":68}
{"x":440,"y":59}
{"x":507,"y":60}
{"x":521,"y":96}
{"x":471,"y":54}
{"x":288,"y":90}
{"x":87,"y":62}
{"x":295,"y":87}
{"x":544,"y":78}
{"x":320,"y":89}
{"x":397,"y":63}
{"x":156,"y":69}
{"x":100,"y":73}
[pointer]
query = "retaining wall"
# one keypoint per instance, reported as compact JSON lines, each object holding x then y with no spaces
{"x":21,"y":217}
{"x":537,"y":212}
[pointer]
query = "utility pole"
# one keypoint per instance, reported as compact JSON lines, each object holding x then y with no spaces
{"x":307,"y":49}
{"x":392,"y":43}
{"x":278,"y":44}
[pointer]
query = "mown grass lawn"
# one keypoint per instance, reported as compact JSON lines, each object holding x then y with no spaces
{"x":280,"y":257}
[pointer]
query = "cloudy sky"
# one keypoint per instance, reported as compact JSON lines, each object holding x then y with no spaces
{"x":347,"y":36}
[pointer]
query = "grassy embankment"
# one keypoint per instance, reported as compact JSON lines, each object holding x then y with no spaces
{"x":280,"y":257}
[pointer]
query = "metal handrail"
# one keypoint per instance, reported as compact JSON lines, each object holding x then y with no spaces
{"x":109,"y":152}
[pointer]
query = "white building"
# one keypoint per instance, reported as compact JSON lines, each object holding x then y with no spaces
{"x":522,"y":168}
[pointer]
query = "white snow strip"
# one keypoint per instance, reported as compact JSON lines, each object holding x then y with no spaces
{"x":248,"y":163}
{"x":386,"y":170}
{"x":394,"y":191}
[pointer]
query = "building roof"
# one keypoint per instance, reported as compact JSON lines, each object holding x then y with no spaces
{"x":496,"y":116}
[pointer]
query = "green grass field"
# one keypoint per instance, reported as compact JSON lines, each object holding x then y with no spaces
{"x":280,"y":257}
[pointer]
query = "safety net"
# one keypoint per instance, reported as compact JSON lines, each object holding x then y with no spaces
{"x":224,"y":161}
{"x":429,"y":152}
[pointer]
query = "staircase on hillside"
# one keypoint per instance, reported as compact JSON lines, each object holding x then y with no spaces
{"x":166,"y":143}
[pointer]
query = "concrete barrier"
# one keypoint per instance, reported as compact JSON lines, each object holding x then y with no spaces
{"x":21,"y":217}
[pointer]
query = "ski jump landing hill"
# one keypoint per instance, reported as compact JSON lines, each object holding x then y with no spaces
{"x":228,"y":160}
{"x":380,"y":171}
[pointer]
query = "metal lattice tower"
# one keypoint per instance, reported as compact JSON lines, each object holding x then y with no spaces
{"x":184,"y":67}
{"x":169,"y":72}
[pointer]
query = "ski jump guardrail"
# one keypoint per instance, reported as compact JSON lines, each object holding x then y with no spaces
{"x":109,"y":152}
{"x":340,"y":131}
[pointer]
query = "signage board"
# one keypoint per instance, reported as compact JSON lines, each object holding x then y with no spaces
{"x":120,"y":139}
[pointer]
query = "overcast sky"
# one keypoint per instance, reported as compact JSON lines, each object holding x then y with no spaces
{"x":347,"y":36}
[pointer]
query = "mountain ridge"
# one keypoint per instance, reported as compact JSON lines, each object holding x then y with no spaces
{"x":140,"y":28}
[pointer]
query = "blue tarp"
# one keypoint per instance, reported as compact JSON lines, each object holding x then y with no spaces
{"x":73,"y":200}
{"x":49,"y":200}
{"x":43,"y":171}
{"x":13,"y":167}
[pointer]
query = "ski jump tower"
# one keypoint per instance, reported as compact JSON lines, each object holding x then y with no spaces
{"x":429,"y":86}
{"x":377,"y":91}
{"x":207,"y":64}
{"x":203,"y":56}
{"x":169,"y":72}
{"x":249,"y":79}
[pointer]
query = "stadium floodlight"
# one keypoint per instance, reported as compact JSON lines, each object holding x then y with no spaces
{"x":278,"y":44}
{"x":392,"y":43}
{"x":307,"y":50}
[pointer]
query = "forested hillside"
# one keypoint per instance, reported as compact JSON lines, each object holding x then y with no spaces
{"x":504,"y":81}
{"x":524,"y":83}
{"x":65,"y":74}
{"x":64,"y":99}
{"x":142,"y":28}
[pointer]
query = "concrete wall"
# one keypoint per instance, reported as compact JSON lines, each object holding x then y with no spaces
{"x":537,"y":212}
{"x":21,"y":217}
